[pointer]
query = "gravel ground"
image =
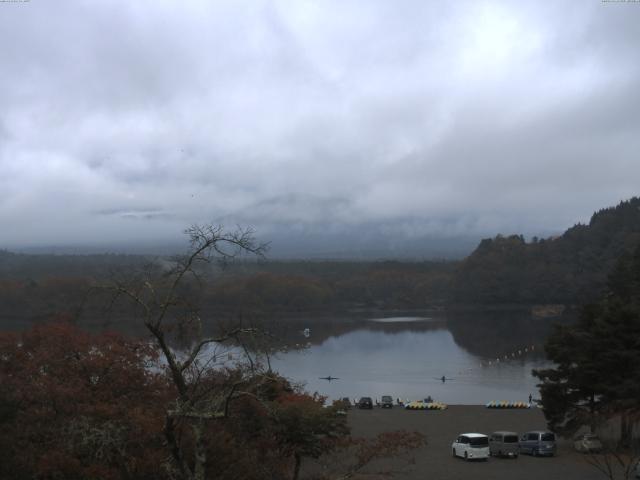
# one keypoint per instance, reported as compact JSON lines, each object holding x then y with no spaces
{"x":434,"y":461}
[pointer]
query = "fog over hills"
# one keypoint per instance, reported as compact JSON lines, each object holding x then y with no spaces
{"x":318,"y":247}
{"x":371,"y":242}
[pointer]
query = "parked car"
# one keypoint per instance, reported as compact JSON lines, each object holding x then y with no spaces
{"x":386,"y":401}
{"x":538,"y":443}
{"x":471,"y":446}
{"x":504,"y":444}
{"x":587,"y":443}
{"x":365,"y":402}
{"x":342,"y":406}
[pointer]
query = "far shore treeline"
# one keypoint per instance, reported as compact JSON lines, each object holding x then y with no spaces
{"x":505,"y":270}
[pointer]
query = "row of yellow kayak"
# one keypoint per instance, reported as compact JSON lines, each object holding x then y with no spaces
{"x":425,"y":406}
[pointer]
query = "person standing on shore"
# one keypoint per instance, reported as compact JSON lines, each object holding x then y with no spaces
{"x":530,"y":398}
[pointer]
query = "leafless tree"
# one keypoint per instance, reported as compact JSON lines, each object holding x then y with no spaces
{"x":160,"y":300}
{"x":615,"y":462}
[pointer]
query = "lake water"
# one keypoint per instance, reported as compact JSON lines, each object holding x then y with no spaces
{"x":406,"y":356}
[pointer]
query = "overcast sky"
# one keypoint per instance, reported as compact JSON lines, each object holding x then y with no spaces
{"x":125,"y":121}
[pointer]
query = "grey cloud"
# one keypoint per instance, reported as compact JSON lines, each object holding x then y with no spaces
{"x":307,"y":209}
{"x":416,"y":118}
{"x":136,"y":214}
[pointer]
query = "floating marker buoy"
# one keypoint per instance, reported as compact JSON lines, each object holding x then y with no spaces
{"x":506,"y":404}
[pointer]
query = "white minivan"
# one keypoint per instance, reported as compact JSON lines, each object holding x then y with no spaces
{"x":471,"y":446}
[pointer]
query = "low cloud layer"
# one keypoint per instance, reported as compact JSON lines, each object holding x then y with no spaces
{"x":128,"y":121}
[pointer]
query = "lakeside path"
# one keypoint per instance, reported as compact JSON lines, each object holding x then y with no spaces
{"x":435,"y":462}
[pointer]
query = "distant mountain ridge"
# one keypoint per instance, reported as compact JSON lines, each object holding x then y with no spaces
{"x":569,"y":269}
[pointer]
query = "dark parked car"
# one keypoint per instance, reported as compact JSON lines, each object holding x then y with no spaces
{"x":386,"y":402}
{"x":365,"y":402}
{"x":342,"y":406}
{"x":538,"y":443}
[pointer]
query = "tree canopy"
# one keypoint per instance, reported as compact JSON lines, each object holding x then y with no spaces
{"x":597,"y":373}
{"x":77,"y":405}
{"x":568,"y":269}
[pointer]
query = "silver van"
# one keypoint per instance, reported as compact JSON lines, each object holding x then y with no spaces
{"x":504,"y":444}
{"x":538,"y":442}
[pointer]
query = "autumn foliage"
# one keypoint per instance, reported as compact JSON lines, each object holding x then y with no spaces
{"x":76,"y":405}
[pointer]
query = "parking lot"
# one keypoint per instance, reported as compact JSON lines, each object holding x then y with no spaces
{"x":434,"y":461}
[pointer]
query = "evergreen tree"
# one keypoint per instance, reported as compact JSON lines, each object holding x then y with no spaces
{"x":597,"y":373}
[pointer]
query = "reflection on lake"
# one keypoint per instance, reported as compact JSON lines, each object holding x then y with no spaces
{"x":406,"y":358}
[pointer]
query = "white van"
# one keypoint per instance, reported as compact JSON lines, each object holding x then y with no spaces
{"x":471,"y":446}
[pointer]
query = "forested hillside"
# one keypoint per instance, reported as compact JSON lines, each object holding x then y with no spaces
{"x":38,"y":287}
{"x":568,"y":269}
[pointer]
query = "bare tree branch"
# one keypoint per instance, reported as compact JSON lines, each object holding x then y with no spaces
{"x":157,"y":296}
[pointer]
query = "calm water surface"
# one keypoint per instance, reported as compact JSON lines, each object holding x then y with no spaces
{"x":406,"y":357}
